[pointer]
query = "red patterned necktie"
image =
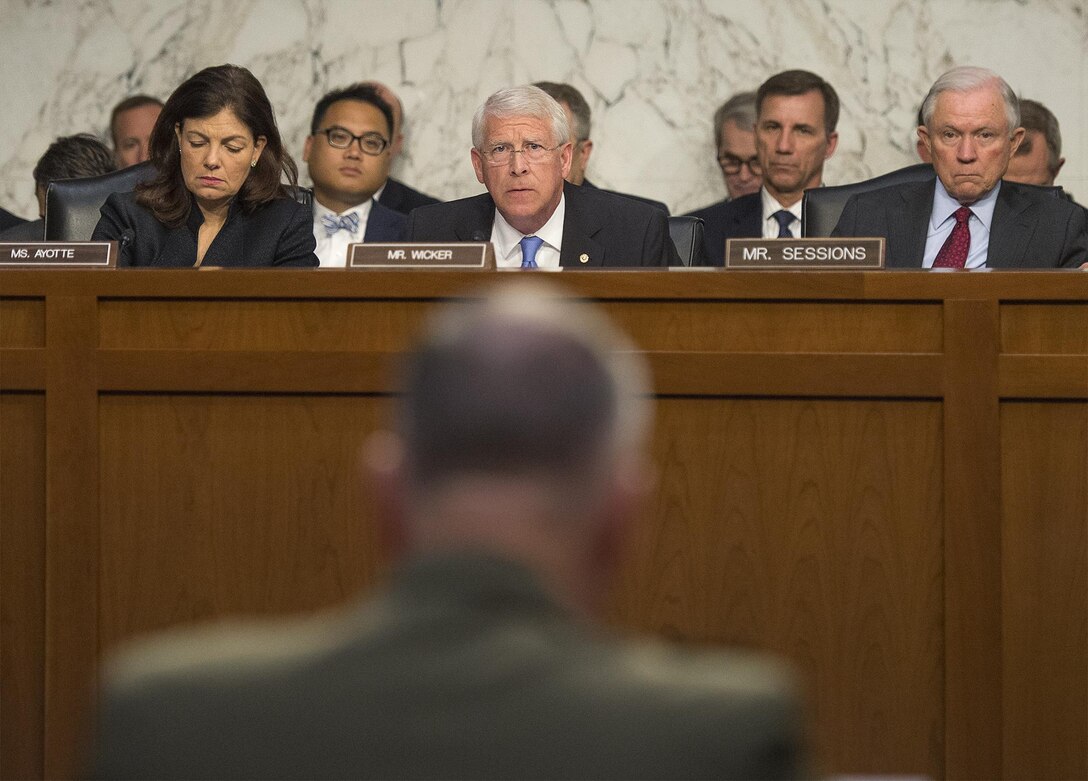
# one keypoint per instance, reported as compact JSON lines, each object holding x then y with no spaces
{"x":954,"y":252}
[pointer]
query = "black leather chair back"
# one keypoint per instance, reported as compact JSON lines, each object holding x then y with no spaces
{"x":71,"y":205}
{"x":687,"y":236}
{"x":821,"y":207}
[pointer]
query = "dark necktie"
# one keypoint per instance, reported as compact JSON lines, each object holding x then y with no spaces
{"x":954,"y":252}
{"x":785,"y":219}
{"x":529,"y":246}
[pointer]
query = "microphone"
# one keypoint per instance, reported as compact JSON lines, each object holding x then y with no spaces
{"x":128,"y":235}
{"x":478,"y":235}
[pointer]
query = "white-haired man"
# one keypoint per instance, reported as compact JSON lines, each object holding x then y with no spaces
{"x":521,"y":152}
{"x":968,"y":217}
{"x":514,"y":471}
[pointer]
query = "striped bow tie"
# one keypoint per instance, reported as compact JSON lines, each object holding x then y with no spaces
{"x":349,"y":222}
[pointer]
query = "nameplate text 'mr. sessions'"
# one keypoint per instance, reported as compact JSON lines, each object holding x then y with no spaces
{"x":58,"y":254}
{"x":459,"y":255}
{"x":808,"y":254}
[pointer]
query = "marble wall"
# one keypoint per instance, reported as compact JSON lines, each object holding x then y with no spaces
{"x":652,"y":70}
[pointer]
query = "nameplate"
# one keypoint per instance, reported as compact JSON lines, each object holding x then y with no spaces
{"x":58,"y":254}
{"x":460,"y":255}
{"x":810,"y":254}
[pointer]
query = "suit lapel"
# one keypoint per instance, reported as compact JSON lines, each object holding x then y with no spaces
{"x":580,"y":225}
{"x":749,"y":222}
{"x":1010,"y":229}
{"x":478,"y":220}
{"x":908,"y":227}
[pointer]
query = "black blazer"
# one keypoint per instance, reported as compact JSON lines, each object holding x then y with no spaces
{"x":607,"y":230}
{"x":280,"y":233}
{"x":384,"y":224}
{"x":401,"y":198}
{"x":1031,"y":228}
{"x":651,"y":201}
{"x":740,"y":218}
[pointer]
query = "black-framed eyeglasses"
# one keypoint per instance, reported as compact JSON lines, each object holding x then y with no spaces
{"x":731,"y":164}
{"x":501,"y":154}
{"x":341,"y":138}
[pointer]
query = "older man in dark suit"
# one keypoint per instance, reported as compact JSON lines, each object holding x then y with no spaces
{"x":968,"y":217}
{"x":522,"y":153}
{"x":515,"y":471}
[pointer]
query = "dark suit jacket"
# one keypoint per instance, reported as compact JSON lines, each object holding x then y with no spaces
{"x":384,"y":224}
{"x":1031,"y":228}
{"x":609,"y":230}
{"x":9,"y":220}
{"x":25,"y":231}
{"x":740,"y":218}
{"x":464,"y":668}
{"x":280,"y":233}
{"x":401,"y":198}
{"x":651,"y":201}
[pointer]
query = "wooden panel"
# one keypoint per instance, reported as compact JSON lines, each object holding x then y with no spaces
{"x":1043,"y":376}
{"x":811,"y":528}
{"x":972,"y":541}
{"x":1044,"y":328}
{"x":782,"y":326}
{"x":22,"y":584}
{"x":1045,"y":587}
{"x":221,"y":505}
{"x":22,"y":322}
{"x":231,"y":324}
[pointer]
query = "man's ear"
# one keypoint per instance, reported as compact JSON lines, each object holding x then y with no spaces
{"x":565,"y":158}
{"x":1017,"y":139}
{"x":382,"y":468}
{"x":478,"y":164}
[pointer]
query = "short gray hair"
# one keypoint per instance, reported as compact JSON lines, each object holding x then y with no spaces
{"x":526,"y":101}
{"x":524,"y":383}
{"x":740,"y":110}
{"x":968,"y":78}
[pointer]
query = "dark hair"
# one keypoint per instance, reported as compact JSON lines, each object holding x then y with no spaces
{"x":204,"y":95}
{"x":72,"y":157}
{"x":1035,"y":116}
{"x":129,"y":103}
{"x":579,"y":109}
{"x":799,"y":82}
{"x":364,"y":93}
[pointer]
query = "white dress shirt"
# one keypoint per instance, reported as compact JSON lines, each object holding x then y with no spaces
{"x":507,"y":238}
{"x":941,"y":223}
{"x":770,"y":224}
{"x":332,"y":251}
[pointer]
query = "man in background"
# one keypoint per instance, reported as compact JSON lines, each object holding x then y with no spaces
{"x":579,"y":119}
{"x":348,"y":154}
{"x":1038,"y":159}
{"x":735,"y":140}
{"x":796,"y":115}
{"x":131,"y":123}
{"x":69,"y":157}
{"x":521,"y":153}
{"x":514,"y":471}
{"x":395,"y":194}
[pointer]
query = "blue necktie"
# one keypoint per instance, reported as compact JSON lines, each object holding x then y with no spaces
{"x":529,"y":246}
{"x":332,"y":223}
{"x":784,"y":218}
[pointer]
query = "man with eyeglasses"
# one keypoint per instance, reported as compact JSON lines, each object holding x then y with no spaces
{"x":348,"y":155}
{"x":735,"y":141}
{"x":796,"y":115}
{"x":579,"y":118}
{"x":521,"y":152}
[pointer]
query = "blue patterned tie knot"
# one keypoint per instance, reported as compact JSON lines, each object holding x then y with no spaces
{"x":529,"y":246}
{"x":349,"y":222}
{"x":785,"y":219}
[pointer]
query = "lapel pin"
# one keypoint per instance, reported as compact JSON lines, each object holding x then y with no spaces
{"x":584,"y":258}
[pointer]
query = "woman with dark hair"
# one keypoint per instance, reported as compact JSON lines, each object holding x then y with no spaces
{"x":217,"y":196}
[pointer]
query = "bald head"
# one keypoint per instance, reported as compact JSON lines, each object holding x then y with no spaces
{"x":523,"y":383}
